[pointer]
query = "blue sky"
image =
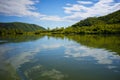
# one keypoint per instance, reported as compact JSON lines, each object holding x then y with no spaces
{"x":54,"y":13}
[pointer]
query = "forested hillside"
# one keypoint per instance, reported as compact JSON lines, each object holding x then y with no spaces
{"x":108,"y":24}
{"x":18,"y":27}
{"x":113,"y":18}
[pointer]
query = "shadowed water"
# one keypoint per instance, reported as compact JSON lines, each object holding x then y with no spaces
{"x":60,"y":57}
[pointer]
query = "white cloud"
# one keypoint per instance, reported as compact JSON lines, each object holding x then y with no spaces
{"x":19,"y":8}
{"x":75,"y":7}
{"x":80,"y":11}
{"x":52,"y":18}
{"x":85,"y":2}
{"x":75,"y":12}
{"x":22,"y":8}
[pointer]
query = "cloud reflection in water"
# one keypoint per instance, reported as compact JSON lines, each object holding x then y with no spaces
{"x":40,"y":72}
{"x":101,"y":56}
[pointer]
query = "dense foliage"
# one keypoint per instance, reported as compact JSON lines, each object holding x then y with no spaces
{"x":109,"y":24}
{"x":19,"y":28}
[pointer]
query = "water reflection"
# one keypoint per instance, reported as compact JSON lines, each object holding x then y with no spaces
{"x":108,"y":42}
{"x":102,"y":56}
{"x":43,"y":73}
{"x":61,"y":57}
{"x":18,"y":38}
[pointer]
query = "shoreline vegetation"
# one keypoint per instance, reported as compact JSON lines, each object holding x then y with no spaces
{"x":93,"y":41}
{"x":108,"y":24}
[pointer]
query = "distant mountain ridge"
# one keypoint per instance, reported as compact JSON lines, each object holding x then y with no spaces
{"x":19,"y":27}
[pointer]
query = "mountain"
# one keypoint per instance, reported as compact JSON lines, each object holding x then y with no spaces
{"x":113,"y":18}
{"x":104,"y":24}
{"x":18,"y":27}
{"x":88,"y":22}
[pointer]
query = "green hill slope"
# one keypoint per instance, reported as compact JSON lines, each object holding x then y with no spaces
{"x":105,"y":24}
{"x":19,"y":27}
{"x":113,"y":18}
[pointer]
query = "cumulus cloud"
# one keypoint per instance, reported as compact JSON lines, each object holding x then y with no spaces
{"x":22,"y":8}
{"x":80,"y":11}
{"x":19,"y":8}
{"x":74,"y":12}
{"x":85,"y":2}
{"x":52,"y":18}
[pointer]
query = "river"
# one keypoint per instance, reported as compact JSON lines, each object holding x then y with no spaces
{"x":60,"y":57}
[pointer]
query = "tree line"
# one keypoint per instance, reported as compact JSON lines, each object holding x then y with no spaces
{"x":108,"y":24}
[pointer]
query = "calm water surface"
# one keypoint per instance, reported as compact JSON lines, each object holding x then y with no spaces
{"x":59,"y":57}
